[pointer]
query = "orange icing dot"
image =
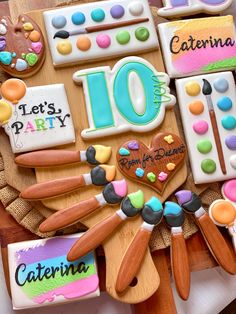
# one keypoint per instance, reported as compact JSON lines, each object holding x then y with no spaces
{"x":13,"y":90}
{"x":34,"y":36}
{"x":224,"y":212}
{"x":196,"y":107}
{"x":83,"y":43}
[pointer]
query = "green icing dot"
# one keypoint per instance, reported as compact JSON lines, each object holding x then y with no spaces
{"x":208,"y":166}
{"x":137,"y":199}
{"x":123,"y":37}
{"x":142,"y":33}
{"x":204,"y":146}
{"x":23,"y":55}
{"x":31,"y":58}
{"x":151,"y":177}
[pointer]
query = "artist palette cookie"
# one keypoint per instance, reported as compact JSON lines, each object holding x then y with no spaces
{"x":99,"y":30}
{"x":198,"y":46}
{"x":154,"y":166}
{"x":22,"y":47}
{"x":40,"y":274}
{"x":35,"y":117}
{"x":207,"y":105}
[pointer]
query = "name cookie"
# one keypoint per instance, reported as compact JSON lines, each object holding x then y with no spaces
{"x":154,"y":166}
{"x":198,"y":46}
{"x":40,"y":274}
{"x":35,"y":117}
{"x":22,"y":48}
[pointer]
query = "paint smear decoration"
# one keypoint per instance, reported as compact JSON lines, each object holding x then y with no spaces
{"x":41,"y":275}
{"x":199,"y":46}
{"x":35,"y":117}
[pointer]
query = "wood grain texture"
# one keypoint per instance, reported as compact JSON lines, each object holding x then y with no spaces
{"x":180,"y":265}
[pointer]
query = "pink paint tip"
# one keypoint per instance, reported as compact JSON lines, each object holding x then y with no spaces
{"x":120,"y":187}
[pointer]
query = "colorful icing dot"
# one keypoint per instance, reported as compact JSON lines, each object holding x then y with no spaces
{"x":139,"y":172}
{"x":13,"y":90}
{"x":151,"y":177}
{"x":13,"y":55}
{"x":229,"y":190}
{"x":23,"y":55}
{"x":64,"y":47}
{"x":31,"y":58}
{"x":21,"y":65}
{"x":133,"y":145}
{"x":208,"y":166}
{"x":196,"y":107}
{"x":28,"y":26}
{"x":221,"y":85}
{"x":142,"y":33}
{"x":136,"y":8}
{"x":34,"y":36}
{"x":223,"y":212}
{"x":233,"y":161}
{"x":59,"y":21}
{"x":204,"y":146}
{"x":136,"y":199}
{"x":117,"y":11}
{"x":5,"y":57}
{"x":3,"y":29}
{"x":230,"y":142}
{"x":78,"y":18}
{"x":170,"y":166}
{"x":5,"y":112}
{"x":169,"y":139}
{"x":36,"y":47}
{"x":123,"y":37}
{"x":98,"y":15}
{"x":228,"y":122}
{"x":200,"y":127}
{"x":103,"y":41}
{"x":124,"y":152}
{"x":83,"y":43}
{"x":162,"y":176}
{"x":192,"y":88}
{"x":225,"y":103}
{"x":2,"y":43}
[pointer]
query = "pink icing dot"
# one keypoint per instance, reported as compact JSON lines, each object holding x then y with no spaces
{"x":103,"y":41}
{"x":200,"y":127}
{"x":37,"y":46}
{"x":162,"y":176}
{"x":229,"y":190}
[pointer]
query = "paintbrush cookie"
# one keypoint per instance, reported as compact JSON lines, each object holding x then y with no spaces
{"x":22,"y":47}
{"x":198,"y":46}
{"x":40,"y":274}
{"x":35,"y":117}
{"x":99,"y":30}
{"x":154,"y":166}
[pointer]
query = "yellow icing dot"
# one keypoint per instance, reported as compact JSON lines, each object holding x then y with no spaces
{"x":192,"y":88}
{"x":196,"y":107}
{"x":5,"y":112}
{"x":103,"y":153}
{"x":223,"y":212}
{"x":170,"y":166}
{"x":28,"y":26}
{"x":169,"y":139}
{"x":64,"y":47}
{"x":110,"y":172}
{"x":34,"y":36}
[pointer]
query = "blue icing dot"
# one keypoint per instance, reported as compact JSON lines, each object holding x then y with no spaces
{"x":154,"y":204}
{"x":5,"y":57}
{"x":124,"y":152}
{"x":221,"y":85}
{"x":139,"y":172}
{"x":78,"y":18}
{"x":229,"y":122}
{"x":224,"y":103}
{"x":59,"y":21}
{"x":172,"y":208}
{"x":13,"y":54}
{"x":98,"y":15}
{"x":21,"y":65}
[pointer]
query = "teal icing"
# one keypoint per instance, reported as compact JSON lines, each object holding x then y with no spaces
{"x":5,"y":57}
{"x":155,"y":204}
{"x":13,"y":54}
{"x":139,"y":172}
{"x":172,"y":208}
{"x":124,"y":152}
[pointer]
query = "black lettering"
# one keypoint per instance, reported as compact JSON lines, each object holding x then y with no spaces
{"x":18,"y":125}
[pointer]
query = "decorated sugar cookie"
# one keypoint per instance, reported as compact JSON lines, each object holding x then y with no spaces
{"x":35,"y":117}
{"x":154,"y":166}
{"x":133,"y":96}
{"x":41,"y":275}
{"x":198,"y":46}
{"x":22,"y":47}
{"x":99,"y":30}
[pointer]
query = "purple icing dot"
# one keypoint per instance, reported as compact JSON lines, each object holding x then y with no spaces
{"x":2,"y":43}
{"x":200,"y":127}
{"x":230,"y":142}
{"x":117,"y":11}
{"x":183,"y":196}
{"x":133,"y":145}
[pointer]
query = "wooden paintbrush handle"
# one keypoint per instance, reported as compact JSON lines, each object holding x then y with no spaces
{"x":217,"y":140}
{"x":52,"y":188}
{"x":70,"y":215}
{"x":217,"y":244}
{"x":132,"y":259}
{"x":47,"y":158}
{"x":180,"y":265}
{"x":94,"y":237}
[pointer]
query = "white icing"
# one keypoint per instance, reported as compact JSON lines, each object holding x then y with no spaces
{"x":83,"y":156}
{"x":87,"y":178}
{"x":136,"y":8}
{"x":100,"y":198}
{"x":137,"y":93}
{"x":94,"y":53}
{"x":147,"y":226}
{"x":3,"y":29}
{"x":121,"y":214}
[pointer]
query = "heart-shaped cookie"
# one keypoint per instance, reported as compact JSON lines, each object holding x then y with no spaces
{"x":22,"y":47}
{"x":154,"y":166}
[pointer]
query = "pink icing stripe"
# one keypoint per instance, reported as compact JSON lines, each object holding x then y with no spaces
{"x":195,"y":60}
{"x":73,"y":290}
{"x":120,"y":187}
